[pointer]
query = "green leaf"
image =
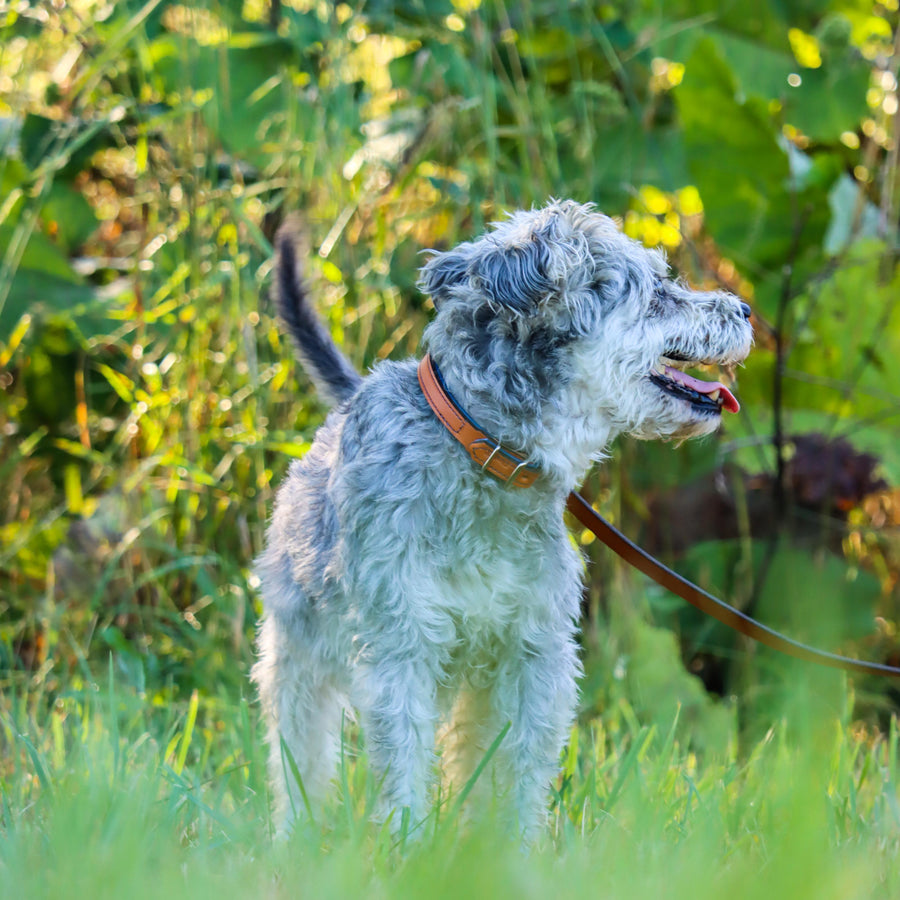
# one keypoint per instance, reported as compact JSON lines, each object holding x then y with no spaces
{"x":44,"y":280}
{"x":237,"y":86}
{"x":66,"y":146}
{"x":14,"y":177}
{"x":755,"y":208}
{"x":69,"y":216}
{"x":848,"y":354}
{"x":815,"y":598}
{"x":40,"y":255}
{"x":826,"y":102}
{"x":819,"y":598}
{"x":49,"y":382}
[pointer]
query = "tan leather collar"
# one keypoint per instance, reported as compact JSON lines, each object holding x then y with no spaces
{"x":489,"y":454}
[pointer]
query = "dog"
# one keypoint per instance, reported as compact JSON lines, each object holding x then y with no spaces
{"x":424,"y":588}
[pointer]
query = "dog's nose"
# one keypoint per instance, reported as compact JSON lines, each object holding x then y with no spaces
{"x":745,"y":309}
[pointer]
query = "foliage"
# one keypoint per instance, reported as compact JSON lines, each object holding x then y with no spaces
{"x":148,"y":151}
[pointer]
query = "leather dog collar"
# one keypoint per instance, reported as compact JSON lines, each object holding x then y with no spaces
{"x":489,"y":454}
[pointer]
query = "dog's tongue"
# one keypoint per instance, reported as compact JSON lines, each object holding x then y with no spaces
{"x":729,"y":402}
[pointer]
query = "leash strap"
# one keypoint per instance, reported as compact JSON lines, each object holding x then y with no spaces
{"x":707,"y":603}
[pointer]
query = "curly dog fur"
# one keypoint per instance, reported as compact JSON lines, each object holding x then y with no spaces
{"x":401,"y":581}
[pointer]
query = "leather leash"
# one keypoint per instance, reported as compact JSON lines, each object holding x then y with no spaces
{"x":512,"y":469}
{"x":707,"y":603}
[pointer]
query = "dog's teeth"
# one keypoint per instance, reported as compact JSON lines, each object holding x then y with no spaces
{"x":714,"y":395}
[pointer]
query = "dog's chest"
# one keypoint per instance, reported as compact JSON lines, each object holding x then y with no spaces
{"x":496,"y":600}
{"x":497,"y":577}
{"x":487,"y":589}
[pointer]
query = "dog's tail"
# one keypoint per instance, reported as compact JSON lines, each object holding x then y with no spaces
{"x":334,"y":377}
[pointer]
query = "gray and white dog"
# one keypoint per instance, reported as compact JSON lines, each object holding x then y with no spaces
{"x":399,"y":579}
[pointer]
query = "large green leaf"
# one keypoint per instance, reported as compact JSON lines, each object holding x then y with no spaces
{"x":236,"y":84}
{"x":68,"y":216}
{"x":815,"y":598}
{"x":760,"y":213}
{"x":64,"y":146}
{"x":829,"y":101}
{"x":733,"y":154}
{"x":848,"y":351}
{"x":440,"y":68}
{"x":44,"y":283}
{"x":39,"y":255}
{"x":764,"y":21}
{"x":822,"y":102}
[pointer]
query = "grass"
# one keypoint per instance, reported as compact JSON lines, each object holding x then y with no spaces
{"x":146,"y":434}
{"x":107,"y":794}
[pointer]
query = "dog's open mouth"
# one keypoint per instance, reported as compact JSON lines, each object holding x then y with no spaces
{"x":709,"y":396}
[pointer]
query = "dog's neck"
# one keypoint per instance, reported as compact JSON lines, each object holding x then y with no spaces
{"x":542,"y":430}
{"x":488,"y":453}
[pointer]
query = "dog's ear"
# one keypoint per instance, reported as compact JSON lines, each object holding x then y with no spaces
{"x":444,"y":271}
{"x":514,"y":277}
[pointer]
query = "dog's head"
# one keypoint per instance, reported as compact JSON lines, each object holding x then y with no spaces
{"x":556,"y":325}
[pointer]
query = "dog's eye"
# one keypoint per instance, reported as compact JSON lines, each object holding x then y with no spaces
{"x":599,"y":286}
{"x":660,"y":299}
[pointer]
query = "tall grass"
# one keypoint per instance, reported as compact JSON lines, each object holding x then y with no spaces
{"x":104,"y":794}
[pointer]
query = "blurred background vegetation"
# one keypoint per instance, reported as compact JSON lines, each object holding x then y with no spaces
{"x":148,"y":152}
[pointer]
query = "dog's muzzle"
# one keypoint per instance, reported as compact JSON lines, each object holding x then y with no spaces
{"x":711,"y":396}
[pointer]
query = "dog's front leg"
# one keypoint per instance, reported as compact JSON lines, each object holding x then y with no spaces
{"x":397,"y":701}
{"x":537,"y":695}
